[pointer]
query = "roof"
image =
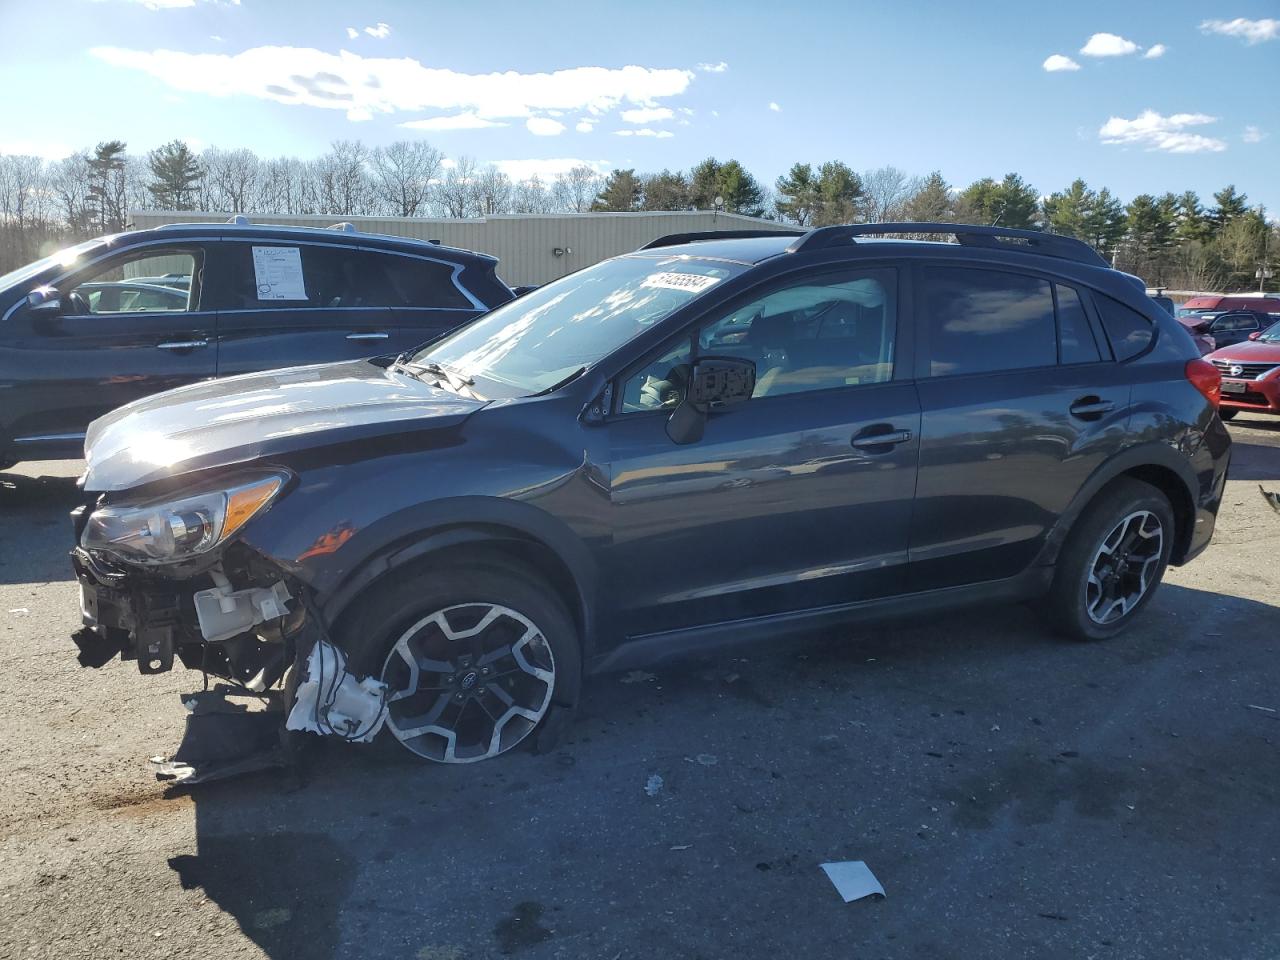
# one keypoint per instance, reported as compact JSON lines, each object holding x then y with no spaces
{"x":342,"y":233}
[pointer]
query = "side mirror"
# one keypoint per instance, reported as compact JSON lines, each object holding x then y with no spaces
{"x":1255,"y":335}
{"x":44,"y":302}
{"x":1204,"y":326}
{"x":715,"y":383}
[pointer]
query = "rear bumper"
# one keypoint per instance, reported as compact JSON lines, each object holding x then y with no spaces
{"x":1260,"y":396}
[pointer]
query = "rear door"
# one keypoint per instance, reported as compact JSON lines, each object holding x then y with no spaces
{"x":800,"y":497}
{"x":1020,"y":401}
{"x":116,"y":340}
{"x":428,"y":297}
{"x":285,"y":303}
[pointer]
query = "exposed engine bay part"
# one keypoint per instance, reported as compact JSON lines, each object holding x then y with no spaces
{"x":224,"y":612}
{"x":331,"y":701}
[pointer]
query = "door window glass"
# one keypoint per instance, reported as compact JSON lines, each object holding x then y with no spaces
{"x":1074,"y":335}
{"x":277,"y":278}
{"x":822,"y":332}
{"x":983,"y":321}
{"x":153,"y":283}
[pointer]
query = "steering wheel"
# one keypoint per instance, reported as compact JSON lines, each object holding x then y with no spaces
{"x":668,"y":392}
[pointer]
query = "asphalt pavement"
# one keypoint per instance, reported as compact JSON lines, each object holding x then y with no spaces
{"x":1017,"y":795}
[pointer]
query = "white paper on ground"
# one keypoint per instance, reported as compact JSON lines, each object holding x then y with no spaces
{"x":853,"y":880}
{"x":278,"y":273}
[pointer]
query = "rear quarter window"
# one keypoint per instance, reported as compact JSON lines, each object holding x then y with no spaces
{"x":1128,"y":331}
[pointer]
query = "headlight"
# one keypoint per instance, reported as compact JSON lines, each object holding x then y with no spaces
{"x":166,"y":531}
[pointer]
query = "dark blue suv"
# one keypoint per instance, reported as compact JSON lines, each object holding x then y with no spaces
{"x":708,"y":440}
{"x":101,"y":324}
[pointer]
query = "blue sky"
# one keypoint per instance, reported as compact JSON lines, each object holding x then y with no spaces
{"x":958,"y":86}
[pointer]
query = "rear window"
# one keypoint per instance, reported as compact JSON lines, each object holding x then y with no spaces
{"x":1129,"y":331}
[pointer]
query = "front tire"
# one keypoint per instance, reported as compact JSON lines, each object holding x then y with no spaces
{"x":474,"y":657}
{"x":1113,"y":561}
{"x":1227,"y":413}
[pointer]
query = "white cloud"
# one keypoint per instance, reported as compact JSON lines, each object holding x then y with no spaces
{"x":774,"y":107}
{"x":379,"y":31}
{"x":644,"y":132}
{"x":352,"y":33}
{"x":461,"y":121}
{"x":1250,"y":31}
{"x":584,"y":125}
{"x":719,"y":67}
{"x":1058,"y":63}
{"x":544,"y":127}
{"x":214,"y":37}
{"x":179,"y":4}
{"x":1156,"y":50}
{"x":364,"y":86}
{"x":547,"y":170}
{"x":1253,"y":134}
{"x":1156,"y":132}
{"x":647,"y":114}
{"x":1108,"y":45}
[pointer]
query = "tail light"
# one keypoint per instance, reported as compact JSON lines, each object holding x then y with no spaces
{"x":1206,"y":378}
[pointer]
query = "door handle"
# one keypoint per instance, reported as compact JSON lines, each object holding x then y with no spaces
{"x":182,"y":345}
{"x":1091,"y":408}
{"x":368,"y":336}
{"x":865,"y":441}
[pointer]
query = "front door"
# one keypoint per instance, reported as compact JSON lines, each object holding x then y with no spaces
{"x":131,"y":325}
{"x":799,"y":498}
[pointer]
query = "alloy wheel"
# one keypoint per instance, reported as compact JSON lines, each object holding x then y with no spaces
{"x":1124,"y":567}
{"x":468,"y":682}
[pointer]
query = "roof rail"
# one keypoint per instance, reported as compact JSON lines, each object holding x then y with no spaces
{"x":674,"y":239}
{"x":966,"y":234}
{"x":240,"y":220}
{"x":343,"y":227}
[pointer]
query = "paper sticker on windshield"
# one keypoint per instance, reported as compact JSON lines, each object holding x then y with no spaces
{"x":278,"y":273}
{"x":688,"y":282}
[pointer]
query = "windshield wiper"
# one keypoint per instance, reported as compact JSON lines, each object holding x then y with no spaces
{"x":565,"y":382}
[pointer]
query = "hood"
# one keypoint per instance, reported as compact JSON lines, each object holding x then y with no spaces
{"x":1249,"y":351}
{"x":239,"y":419}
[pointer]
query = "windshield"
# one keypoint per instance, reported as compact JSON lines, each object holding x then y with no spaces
{"x":1271,"y":334}
{"x":63,"y":258}
{"x":545,"y":337}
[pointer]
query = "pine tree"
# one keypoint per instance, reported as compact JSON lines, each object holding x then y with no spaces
{"x":1229,"y":206}
{"x":177,"y":176}
{"x":933,"y":202}
{"x":665,"y":191}
{"x":979,"y":202}
{"x":839,"y":192}
{"x":106,"y":194}
{"x":1105,"y":223}
{"x":728,"y":182}
{"x":797,"y":195}
{"x":621,"y":192}
{"x":1067,"y":212}
{"x":1149,"y":239}
{"x":1192,"y":224}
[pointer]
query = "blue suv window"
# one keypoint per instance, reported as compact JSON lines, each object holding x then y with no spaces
{"x":984,"y":321}
{"x":1128,"y":330}
{"x":1075,"y":337}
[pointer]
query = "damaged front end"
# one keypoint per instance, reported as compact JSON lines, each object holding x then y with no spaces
{"x":164,"y":578}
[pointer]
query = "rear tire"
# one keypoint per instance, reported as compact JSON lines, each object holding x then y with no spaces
{"x":1227,"y":413}
{"x":1113,"y":561}
{"x":474,"y":656}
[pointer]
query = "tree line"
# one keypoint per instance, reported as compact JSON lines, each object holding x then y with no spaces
{"x":1172,"y":240}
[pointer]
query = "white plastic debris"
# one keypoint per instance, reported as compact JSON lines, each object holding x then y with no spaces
{"x":653,"y":786}
{"x":224,"y":612}
{"x":19,"y":611}
{"x":331,"y":701}
{"x":853,"y":880}
{"x":703,"y":759}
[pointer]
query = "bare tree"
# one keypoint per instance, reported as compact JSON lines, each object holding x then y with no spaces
{"x":343,"y":179}
{"x":492,"y":191}
{"x":885,"y":193}
{"x":531,"y":196}
{"x":231,"y":179}
{"x":574,"y":191}
{"x":404,"y":175}
{"x":457,"y":193}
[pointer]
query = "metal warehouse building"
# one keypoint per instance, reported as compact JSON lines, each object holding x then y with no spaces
{"x":531,"y":248}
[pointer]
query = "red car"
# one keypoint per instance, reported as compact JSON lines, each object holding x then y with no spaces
{"x":1250,"y":374}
